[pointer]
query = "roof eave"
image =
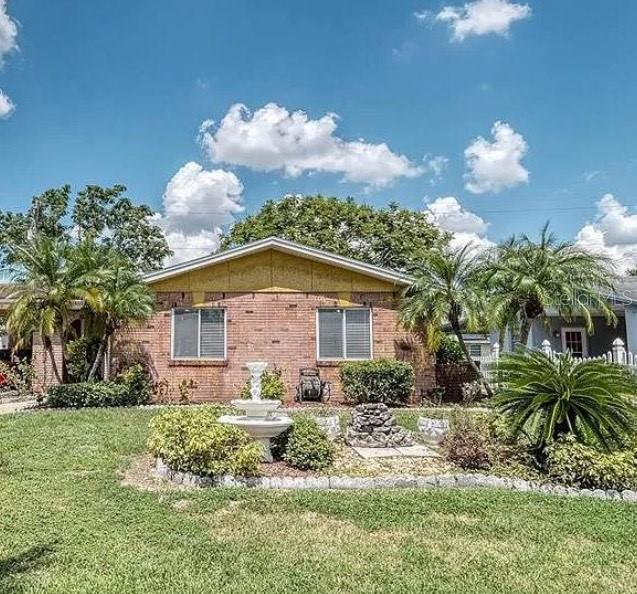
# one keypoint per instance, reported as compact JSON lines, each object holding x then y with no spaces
{"x":286,"y":247}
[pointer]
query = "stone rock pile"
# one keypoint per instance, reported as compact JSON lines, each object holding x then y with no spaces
{"x":374,"y":426}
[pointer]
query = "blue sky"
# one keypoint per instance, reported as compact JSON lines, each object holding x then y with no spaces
{"x":116,"y":92}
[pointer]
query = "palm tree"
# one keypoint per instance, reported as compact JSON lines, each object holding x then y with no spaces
{"x":446,"y":290}
{"x":545,"y":397}
{"x":123,"y":299}
{"x":47,"y":290}
{"x":524,"y":278}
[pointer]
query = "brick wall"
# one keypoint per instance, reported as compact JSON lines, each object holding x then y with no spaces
{"x":279,"y":328}
{"x":41,"y":361}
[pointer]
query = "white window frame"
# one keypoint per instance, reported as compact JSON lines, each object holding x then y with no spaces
{"x":343,"y":330}
{"x":579,"y":329}
{"x":198,"y":357}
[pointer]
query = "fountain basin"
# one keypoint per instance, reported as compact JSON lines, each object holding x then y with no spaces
{"x":257,"y":408}
{"x":262,"y":428}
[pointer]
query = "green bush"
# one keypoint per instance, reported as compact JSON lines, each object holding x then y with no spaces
{"x":88,"y":394}
{"x":80,"y":354}
{"x":192,"y":440}
{"x":137,"y":382}
{"x":583,"y":466}
{"x":449,"y":351}
{"x":272,"y":386}
{"x":132,"y":387}
{"x":308,"y":447}
{"x":381,"y":380}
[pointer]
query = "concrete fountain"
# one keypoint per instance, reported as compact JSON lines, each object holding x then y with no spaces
{"x":258,"y":420}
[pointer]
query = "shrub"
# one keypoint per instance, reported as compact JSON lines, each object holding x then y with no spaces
{"x":137,"y":382}
{"x":308,"y":447}
{"x":381,"y":380}
{"x":19,"y":376}
{"x":583,"y":466}
{"x":449,"y":351}
{"x":272,"y":386}
{"x":130,"y":388}
{"x":467,"y":443}
{"x":80,"y":354}
{"x":88,"y":394}
{"x":192,"y":440}
{"x":547,"y":397}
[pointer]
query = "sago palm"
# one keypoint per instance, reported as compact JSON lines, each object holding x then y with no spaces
{"x":445,"y":290}
{"x":545,"y":397}
{"x":525,"y":278}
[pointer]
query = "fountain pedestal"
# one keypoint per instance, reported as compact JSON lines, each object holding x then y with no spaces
{"x":258,"y":421}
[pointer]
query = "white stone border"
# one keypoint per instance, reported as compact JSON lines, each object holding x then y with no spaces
{"x":463,"y":481}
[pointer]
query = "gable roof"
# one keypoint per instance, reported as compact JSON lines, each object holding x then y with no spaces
{"x":285,"y":246}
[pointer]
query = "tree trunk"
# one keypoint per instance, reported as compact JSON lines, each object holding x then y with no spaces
{"x":48,"y":346}
{"x":98,"y":356}
{"x":525,"y":329}
{"x":455,"y":325}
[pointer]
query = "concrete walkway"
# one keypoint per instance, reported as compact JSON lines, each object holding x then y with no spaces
{"x":11,"y":407}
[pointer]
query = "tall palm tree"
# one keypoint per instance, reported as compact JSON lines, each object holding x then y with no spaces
{"x":123,"y":299}
{"x":48,"y":289}
{"x":525,"y":278}
{"x":446,"y":290}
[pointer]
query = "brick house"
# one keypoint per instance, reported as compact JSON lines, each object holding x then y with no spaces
{"x":270,"y":300}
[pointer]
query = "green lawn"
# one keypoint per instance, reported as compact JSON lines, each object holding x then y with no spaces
{"x":67,"y":525}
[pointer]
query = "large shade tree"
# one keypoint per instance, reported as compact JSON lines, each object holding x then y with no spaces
{"x":101,"y":216}
{"x":392,"y":237}
{"x":446,"y":291}
{"x":526,"y":278}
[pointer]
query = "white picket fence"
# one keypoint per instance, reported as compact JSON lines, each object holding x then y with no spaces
{"x":617,"y":354}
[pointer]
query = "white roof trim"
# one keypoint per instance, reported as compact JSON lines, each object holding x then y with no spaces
{"x":281,"y":245}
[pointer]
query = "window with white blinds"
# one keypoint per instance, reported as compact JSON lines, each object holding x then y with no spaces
{"x":199,"y":334}
{"x":344,"y":333}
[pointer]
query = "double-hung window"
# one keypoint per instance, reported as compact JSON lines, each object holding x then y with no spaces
{"x":199,"y":333}
{"x":344,"y":333}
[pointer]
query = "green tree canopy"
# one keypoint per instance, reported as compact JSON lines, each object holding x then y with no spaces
{"x":392,"y":237}
{"x":102,"y":216}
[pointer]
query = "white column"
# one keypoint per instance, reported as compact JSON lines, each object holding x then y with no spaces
{"x":631,"y":328}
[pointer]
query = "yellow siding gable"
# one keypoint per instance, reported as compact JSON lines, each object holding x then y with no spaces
{"x":275,"y":272}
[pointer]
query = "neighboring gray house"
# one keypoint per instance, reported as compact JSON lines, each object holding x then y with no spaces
{"x":571,"y":335}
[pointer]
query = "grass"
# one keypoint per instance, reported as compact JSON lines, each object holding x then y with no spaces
{"x":68,"y":525}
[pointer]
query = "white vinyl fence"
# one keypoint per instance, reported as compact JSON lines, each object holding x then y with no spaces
{"x":617,"y":354}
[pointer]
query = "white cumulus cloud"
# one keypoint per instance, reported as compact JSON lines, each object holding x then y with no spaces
{"x":465,"y":226}
{"x":273,"y":138}
{"x":613,"y":233}
{"x":497,"y":165}
{"x":482,"y":17}
{"x":6,"y":105}
{"x":197,"y":203}
{"x":8,"y":32}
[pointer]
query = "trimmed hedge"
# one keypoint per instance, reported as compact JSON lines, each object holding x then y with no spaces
{"x":381,"y":380}
{"x":192,"y":440}
{"x":131,"y":388}
{"x":308,"y":447}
